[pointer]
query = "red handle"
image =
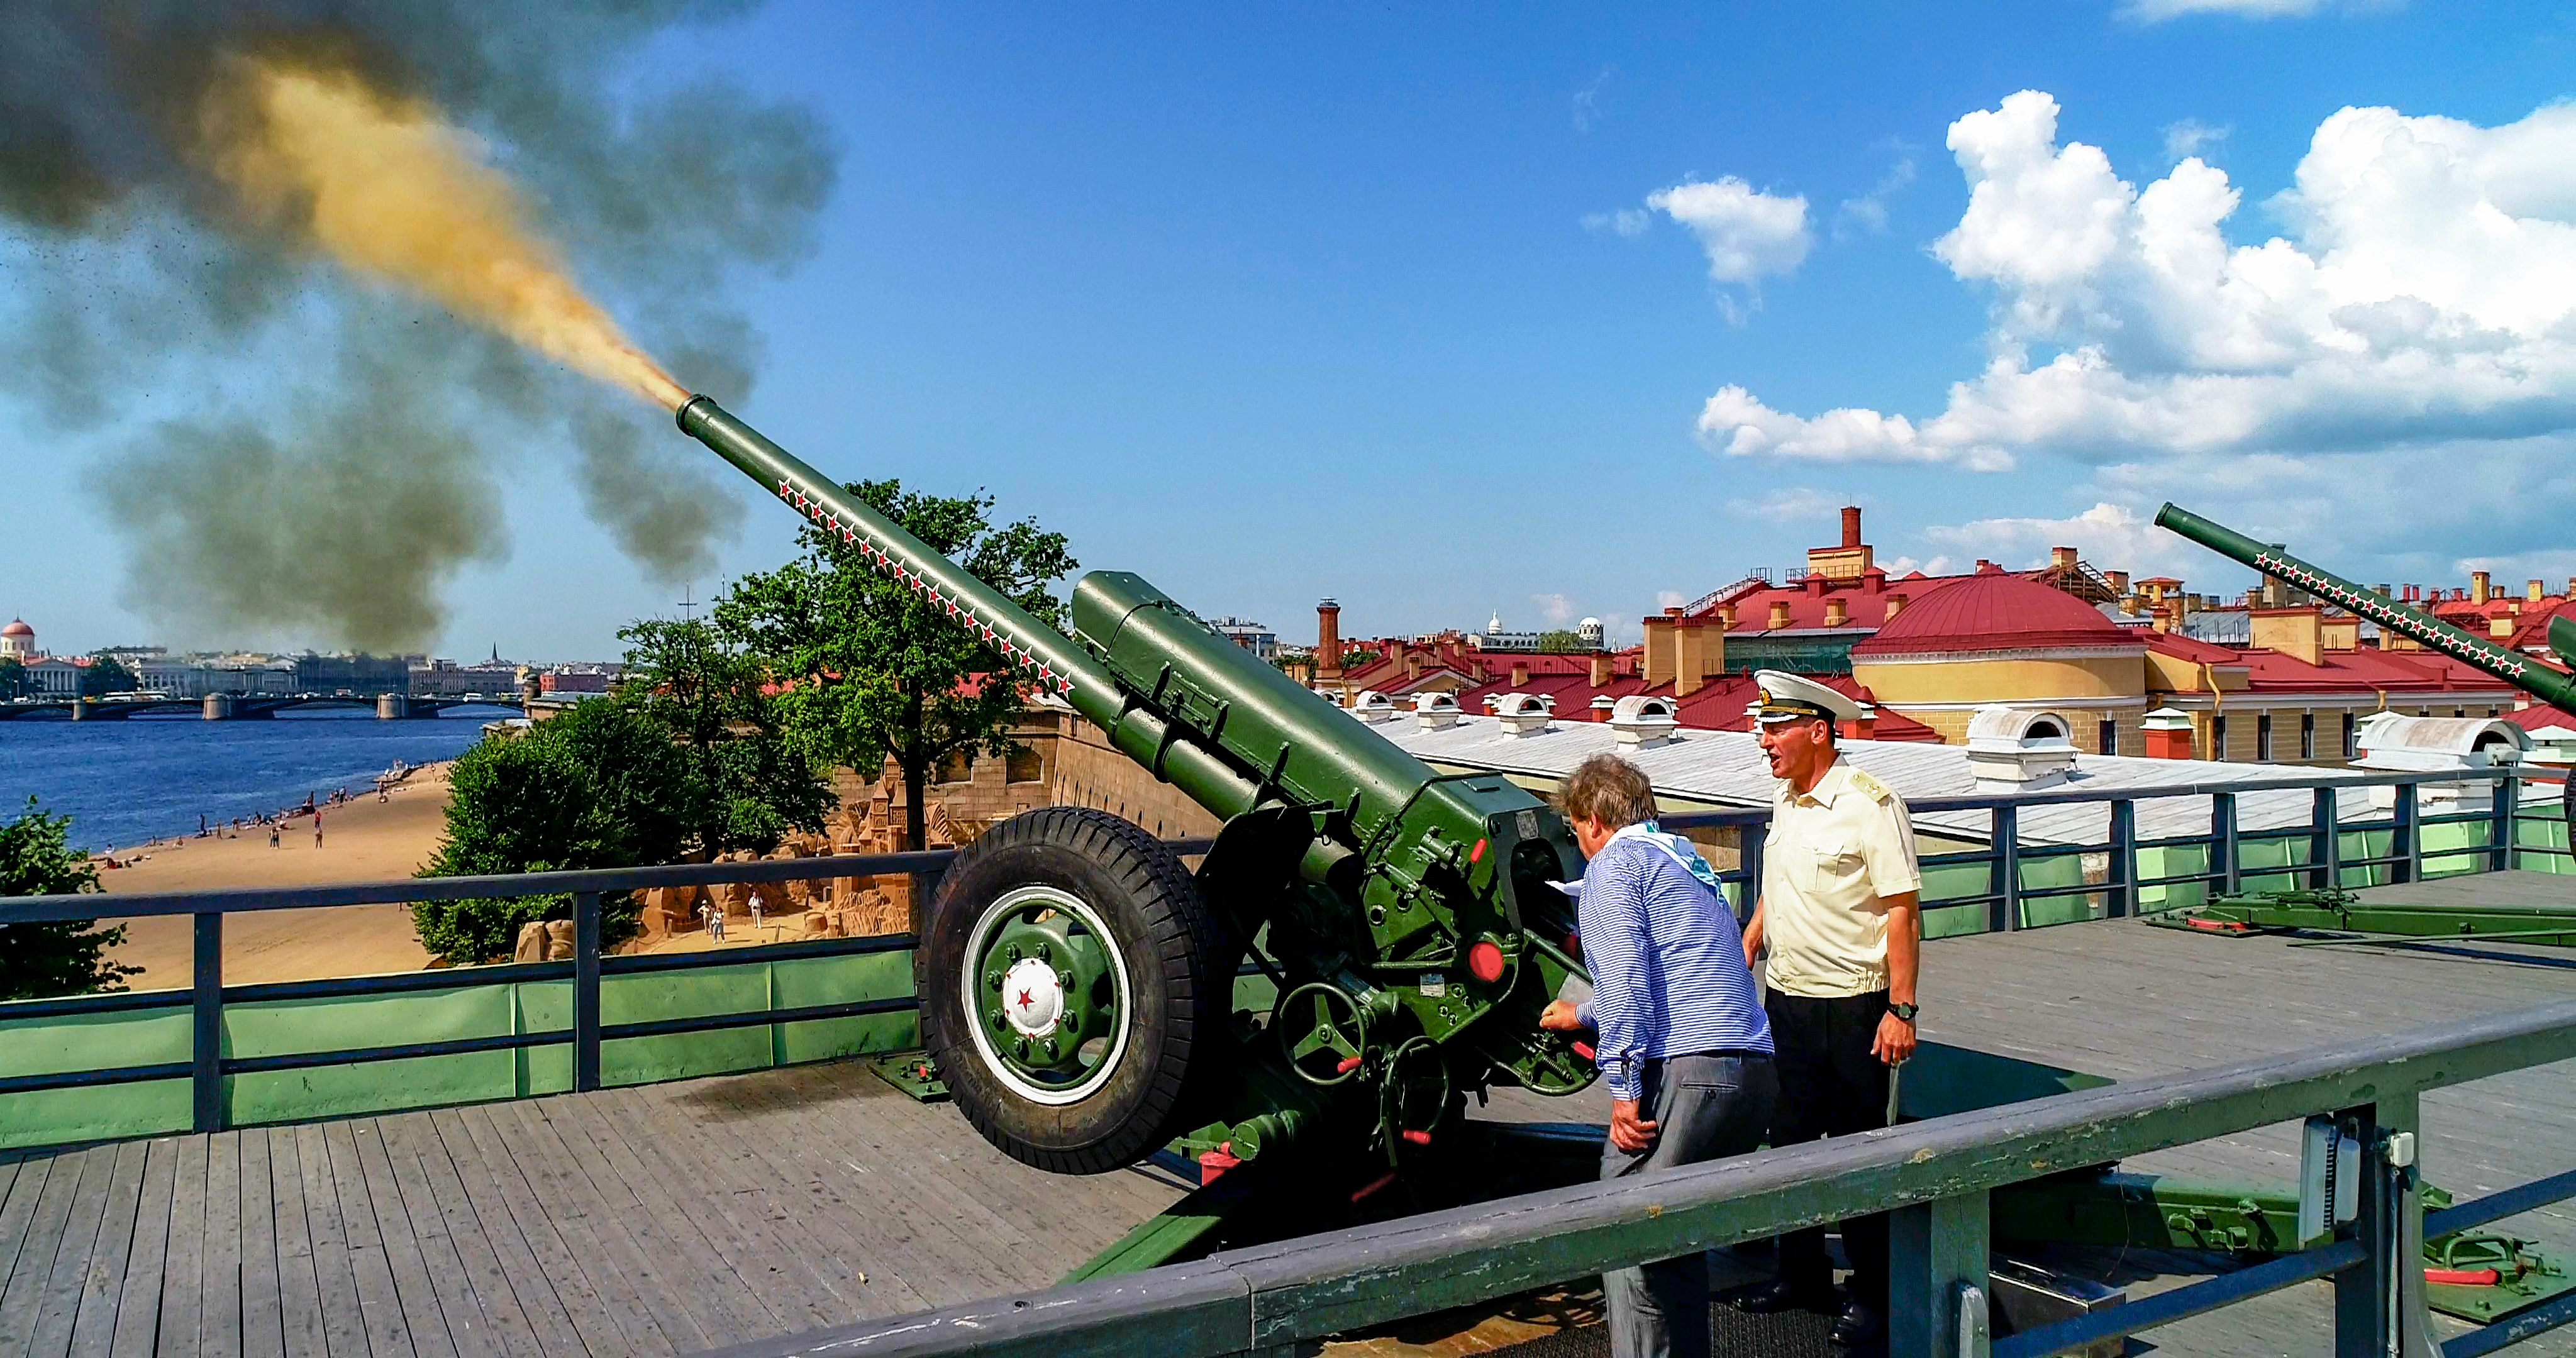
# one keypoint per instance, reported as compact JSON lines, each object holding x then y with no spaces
{"x":1584,"y":1050}
{"x":1418,"y":1138}
{"x":1349,"y":1064}
{"x":2464,"y":1277}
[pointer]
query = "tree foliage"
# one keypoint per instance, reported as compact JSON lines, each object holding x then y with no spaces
{"x":14,"y":681}
{"x":745,"y":782}
{"x":869,"y":668}
{"x":67,"y":957}
{"x":106,"y":674}
{"x":1562,"y":641}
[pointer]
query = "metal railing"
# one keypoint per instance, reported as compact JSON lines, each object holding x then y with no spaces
{"x":2317,"y":847}
{"x":1932,"y":1177}
{"x":208,"y":996}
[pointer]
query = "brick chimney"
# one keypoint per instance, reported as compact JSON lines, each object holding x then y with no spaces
{"x":1328,"y":641}
{"x":1600,"y":675}
{"x":1779,"y":614}
{"x":2168,"y":734}
{"x":2062,"y":557}
{"x":1726,"y":613}
{"x":2298,"y":632}
{"x":2481,"y":587}
{"x":2119,"y":581}
{"x":1873,"y":581}
{"x":1835,"y":613}
{"x":1700,"y":655}
{"x":2532,"y":592}
{"x":1895,"y":605}
{"x":1846,"y":560}
{"x":1520,"y":674}
{"x":1663,"y":658}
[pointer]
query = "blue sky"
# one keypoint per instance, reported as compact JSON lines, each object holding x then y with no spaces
{"x":1438,"y":310}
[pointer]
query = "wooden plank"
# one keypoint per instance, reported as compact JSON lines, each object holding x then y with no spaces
{"x":18,"y":1211}
{"x":181,"y":1279}
{"x":821,"y":1291}
{"x":263,"y":1327}
{"x":553,"y":1213}
{"x":48,"y":1327}
{"x":574,"y":1203}
{"x":138,"y":1302}
{"x":379,"y":1303}
{"x":527,"y":1242}
{"x":104,"y":1286}
{"x":344,"y":1320}
{"x":435,"y":1313}
{"x":299,"y":1289}
{"x":907,"y":1238}
{"x":484,"y":1316}
{"x":675,"y":1206}
{"x":220,"y":1271}
{"x":26,"y":1287}
{"x":858,"y":1246}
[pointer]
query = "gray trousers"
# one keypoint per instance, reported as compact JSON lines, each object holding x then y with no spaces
{"x":1704,"y":1108}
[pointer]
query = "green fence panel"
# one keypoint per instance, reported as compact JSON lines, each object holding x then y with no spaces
{"x":545,"y":1007}
{"x":69,"y":1042}
{"x":737,"y":989}
{"x":2542,"y":828}
{"x":2172,"y":860}
{"x":2454,"y":847}
{"x":2055,"y":871}
{"x":839,"y":980}
{"x":344,"y":1022}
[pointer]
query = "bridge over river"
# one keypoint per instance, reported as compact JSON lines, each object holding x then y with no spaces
{"x":228,"y":707}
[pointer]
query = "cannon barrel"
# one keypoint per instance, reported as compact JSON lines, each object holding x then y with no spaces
{"x":2540,"y":680}
{"x":1408,"y":911}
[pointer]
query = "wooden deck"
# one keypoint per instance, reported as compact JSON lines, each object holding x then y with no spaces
{"x":661,"y":1219}
{"x":672,"y":1218}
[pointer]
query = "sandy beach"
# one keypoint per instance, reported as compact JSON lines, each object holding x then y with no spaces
{"x":363,"y":840}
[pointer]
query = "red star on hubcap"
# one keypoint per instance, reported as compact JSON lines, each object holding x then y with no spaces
{"x":1025,"y":1001}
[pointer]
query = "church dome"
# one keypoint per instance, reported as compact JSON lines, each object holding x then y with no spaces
{"x":17,"y":628}
{"x":1996,"y":612}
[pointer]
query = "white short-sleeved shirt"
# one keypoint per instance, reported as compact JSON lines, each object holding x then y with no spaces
{"x":1833,"y":856}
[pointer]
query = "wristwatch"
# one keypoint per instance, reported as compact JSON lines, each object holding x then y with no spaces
{"x":1905,"y":1011}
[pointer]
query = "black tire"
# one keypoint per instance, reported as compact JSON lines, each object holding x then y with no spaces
{"x":1177,"y":984}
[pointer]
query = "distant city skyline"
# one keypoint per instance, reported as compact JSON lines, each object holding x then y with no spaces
{"x":1551,"y":314}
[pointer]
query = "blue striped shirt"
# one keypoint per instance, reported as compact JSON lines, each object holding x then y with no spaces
{"x":1667,"y":964}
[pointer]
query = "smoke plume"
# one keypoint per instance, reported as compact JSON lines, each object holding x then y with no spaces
{"x":241,"y":234}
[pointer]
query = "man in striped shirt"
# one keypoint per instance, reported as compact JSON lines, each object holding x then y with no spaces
{"x":1683,"y":1042}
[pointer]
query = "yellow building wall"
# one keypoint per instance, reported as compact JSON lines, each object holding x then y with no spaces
{"x":2002,"y":680}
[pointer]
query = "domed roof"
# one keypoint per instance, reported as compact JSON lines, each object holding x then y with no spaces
{"x":17,"y":628}
{"x":1996,"y":612}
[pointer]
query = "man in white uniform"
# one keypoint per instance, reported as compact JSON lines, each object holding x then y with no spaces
{"x":1841,"y":912}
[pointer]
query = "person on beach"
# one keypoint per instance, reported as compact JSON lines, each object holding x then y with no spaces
{"x":1682,"y":1040}
{"x":755,"y":914}
{"x":272,"y":836}
{"x":317,"y":829}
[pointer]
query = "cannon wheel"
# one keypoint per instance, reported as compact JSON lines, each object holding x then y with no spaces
{"x":1070,"y":970}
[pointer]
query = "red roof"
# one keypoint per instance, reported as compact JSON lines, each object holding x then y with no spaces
{"x":1997,"y":612}
{"x":17,"y":628}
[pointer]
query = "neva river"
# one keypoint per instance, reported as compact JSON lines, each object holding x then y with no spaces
{"x":123,"y":782}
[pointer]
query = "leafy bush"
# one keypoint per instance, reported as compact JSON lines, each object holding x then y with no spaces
{"x":66,"y":957}
{"x":597,"y":787}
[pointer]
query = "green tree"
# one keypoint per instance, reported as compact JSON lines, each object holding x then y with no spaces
{"x":1561,"y":641}
{"x":746,"y":783}
{"x":1360,"y":657}
{"x":63,"y":957}
{"x":14,"y":682}
{"x":106,"y":674}
{"x":870,"y":669}
{"x":598,"y":786}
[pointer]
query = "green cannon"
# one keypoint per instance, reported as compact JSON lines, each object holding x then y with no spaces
{"x":2532,"y":676}
{"x":1077,"y":980}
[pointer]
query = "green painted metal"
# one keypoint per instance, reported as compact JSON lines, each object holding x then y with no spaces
{"x":56,"y":1042}
{"x":1371,"y":873}
{"x":2523,"y":672}
{"x":2340,"y":912}
{"x":912,"y":1072}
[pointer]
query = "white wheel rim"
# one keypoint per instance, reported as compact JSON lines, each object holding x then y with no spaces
{"x":970,"y":994}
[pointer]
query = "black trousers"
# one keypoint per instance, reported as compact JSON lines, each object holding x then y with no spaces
{"x":1831,"y":1085}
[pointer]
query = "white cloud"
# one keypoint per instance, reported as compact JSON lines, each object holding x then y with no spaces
{"x":2426,"y":294}
{"x":2157,"y":11}
{"x":1627,"y":221}
{"x":1587,"y":101}
{"x":1670,"y":598}
{"x":1790,"y":502}
{"x":1749,"y":235}
{"x":1868,"y":212}
{"x":1556,"y":608}
{"x":2110,"y":536}
{"x":2190,"y":137}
